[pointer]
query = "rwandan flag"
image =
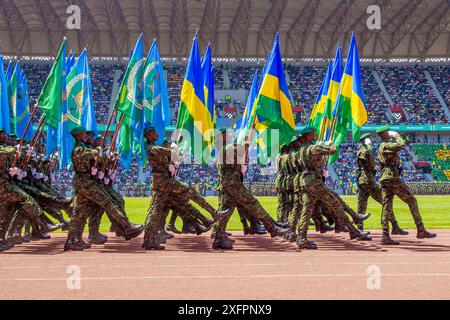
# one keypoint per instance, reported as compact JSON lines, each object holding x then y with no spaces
{"x":333,"y":89}
{"x":4,"y":100}
{"x":245,"y":124}
{"x":349,"y":111}
{"x":193,"y":114}
{"x":129,"y":103}
{"x":274,"y":109}
{"x":20,"y":104}
{"x":208,"y":83}
{"x":316,"y":116}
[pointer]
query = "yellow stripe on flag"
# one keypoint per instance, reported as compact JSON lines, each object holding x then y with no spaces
{"x":359,"y":113}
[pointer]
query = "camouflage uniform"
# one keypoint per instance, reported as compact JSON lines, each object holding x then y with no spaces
{"x":313,"y":189}
{"x":164,"y":187}
{"x":392,"y":185}
{"x":280,"y":184}
{"x":232,"y":193}
{"x":295,"y":159}
{"x":12,"y":196}
{"x":367,"y":186}
{"x":89,"y":191}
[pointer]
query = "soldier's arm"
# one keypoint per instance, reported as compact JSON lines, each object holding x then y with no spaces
{"x":395,"y":146}
{"x":323,"y":150}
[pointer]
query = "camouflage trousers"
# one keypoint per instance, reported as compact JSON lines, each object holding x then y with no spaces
{"x":88,"y":194}
{"x":164,"y":201}
{"x":12,"y":200}
{"x":285,"y":204}
{"x":309,"y":196}
{"x":372,"y":190}
{"x":235,"y":196}
{"x":96,"y":212}
{"x":396,"y":187}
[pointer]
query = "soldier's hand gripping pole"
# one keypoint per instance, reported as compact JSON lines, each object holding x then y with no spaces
{"x":112,"y":147}
{"x":16,"y":156}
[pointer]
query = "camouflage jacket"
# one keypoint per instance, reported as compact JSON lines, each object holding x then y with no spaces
{"x":6,"y":156}
{"x":82,"y":158}
{"x":298,"y":168}
{"x":311,"y":160}
{"x":389,"y":158}
{"x":366,"y":166}
{"x":159,"y":160}
{"x":229,"y":173}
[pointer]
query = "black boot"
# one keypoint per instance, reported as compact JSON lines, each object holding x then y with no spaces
{"x":338,"y":228}
{"x":424,"y":234}
{"x":222,"y":242}
{"x":355,"y":233}
{"x":171,"y":228}
{"x":304,"y":243}
{"x":151,"y":243}
{"x":6,"y":245}
{"x":133,"y":231}
{"x":360,"y":217}
{"x":188,"y":228}
{"x":387,"y":240}
{"x":397,"y":230}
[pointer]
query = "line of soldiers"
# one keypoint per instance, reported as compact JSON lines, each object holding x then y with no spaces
{"x":26,"y":195}
{"x":27,"y":198}
{"x":302,"y":193}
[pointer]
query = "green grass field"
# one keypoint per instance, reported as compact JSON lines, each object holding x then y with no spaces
{"x":435,"y":211}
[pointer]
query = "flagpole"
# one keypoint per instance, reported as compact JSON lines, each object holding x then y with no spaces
{"x":25,"y":132}
{"x":113,"y":141}
{"x":34,"y":141}
{"x":108,"y":126}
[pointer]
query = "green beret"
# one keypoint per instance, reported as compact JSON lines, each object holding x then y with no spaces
{"x":383,"y":129}
{"x":99,"y":136}
{"x":223,"y":130}
{"x":2,"y":130}
{"x":13,"y":136}
{"x":307,"y":130}
{"x":90,"y":132}
{"x":148,"y":129}
{"x":365,"y":135}
{"x":296,"y":137}
{"x":77,"y":130}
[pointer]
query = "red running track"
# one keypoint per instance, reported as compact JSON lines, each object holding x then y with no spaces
{"x":258,"y":268}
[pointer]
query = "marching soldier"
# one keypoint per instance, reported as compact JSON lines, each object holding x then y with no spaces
{"x":392,"y":185}
{"x":367,"y":186}
{"x":233,"y":193}
{"x":313,"y":189}
{"x":163,"y":187}
{"x":87,"y":192}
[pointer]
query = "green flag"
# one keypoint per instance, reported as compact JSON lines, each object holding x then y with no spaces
{"x":51,"y":97}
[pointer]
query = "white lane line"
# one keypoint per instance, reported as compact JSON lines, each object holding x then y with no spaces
{"x":226,"y":265}
{"x":230,"y":276}
{"x":226,"y":255}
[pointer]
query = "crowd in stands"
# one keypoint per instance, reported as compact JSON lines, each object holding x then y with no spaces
{"x":438,"y":156}
{"x":409,"y":88}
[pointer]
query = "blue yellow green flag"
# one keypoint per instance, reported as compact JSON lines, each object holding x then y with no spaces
{"x":193,"y":114}
{"x":349,"y":111}
{"x":316,"y":116}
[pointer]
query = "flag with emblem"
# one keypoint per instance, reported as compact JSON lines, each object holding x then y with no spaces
{"x":4,"y":100}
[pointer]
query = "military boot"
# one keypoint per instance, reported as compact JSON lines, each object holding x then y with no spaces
{"x":133,"y":231}
{"x":96,"y":238}
{"x":424,"y":234}
{"x":355,"y":233}
{"x":304,"y":243}
{"x":276,"y":231}
{"x":361,"y":217}
{"x":290,"y":236}
{"x":397,"y":230}
{"x":387,"y":240}
{"x":151,"y":242}
{"x":222,"y":242}
{"x":338,"y":228}
{"x":6,"y":245}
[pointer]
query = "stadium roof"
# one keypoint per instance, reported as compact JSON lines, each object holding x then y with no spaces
{"x":236,"y":28}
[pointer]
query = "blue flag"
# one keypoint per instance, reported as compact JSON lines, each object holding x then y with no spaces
{"x":155,"y":97}
{"x":4,"y":100}
{"x":20,"y":103}
{"x":243,"y":124}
